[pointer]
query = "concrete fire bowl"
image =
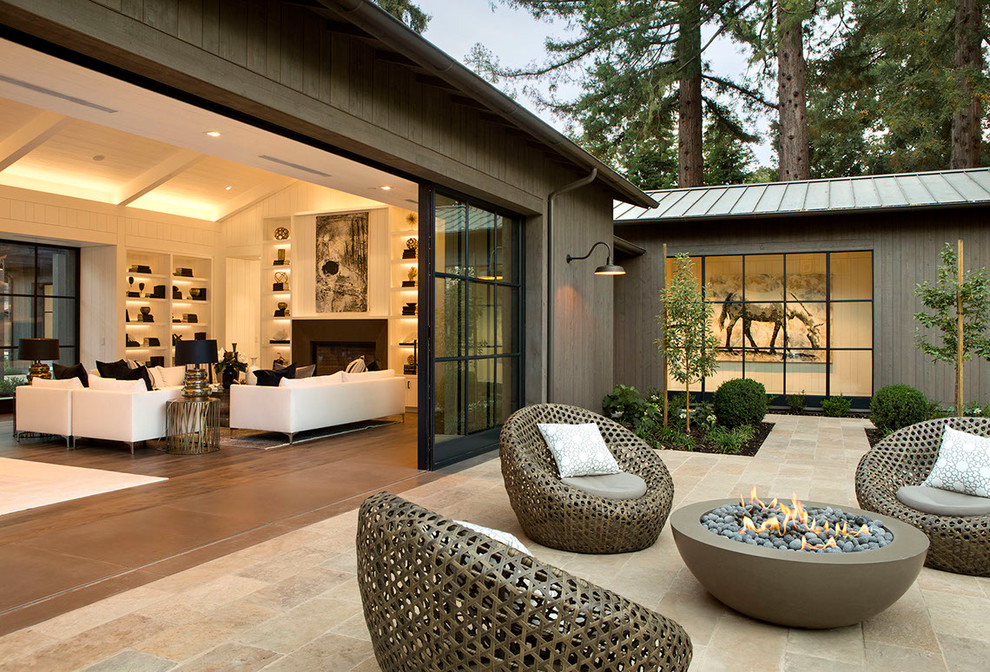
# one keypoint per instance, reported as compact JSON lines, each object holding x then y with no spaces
{"x":796,"y":588}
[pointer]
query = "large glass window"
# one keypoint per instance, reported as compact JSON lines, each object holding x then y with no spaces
{"x":794,"y":322}
{"x":39,"y":298}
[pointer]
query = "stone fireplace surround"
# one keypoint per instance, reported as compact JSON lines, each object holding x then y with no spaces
{"x":344,"y":337}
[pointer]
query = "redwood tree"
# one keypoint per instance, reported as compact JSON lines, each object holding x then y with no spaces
{"x":968,"y":65}
{"x":791,"y":92}
{"x":690,"y":162}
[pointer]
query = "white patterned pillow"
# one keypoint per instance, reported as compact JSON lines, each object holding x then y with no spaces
{"x":578,"y":450}
{"x":509,"y":540}
{"x":963,"y":464}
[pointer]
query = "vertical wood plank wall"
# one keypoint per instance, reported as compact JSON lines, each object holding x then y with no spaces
{"x":905,"y":245}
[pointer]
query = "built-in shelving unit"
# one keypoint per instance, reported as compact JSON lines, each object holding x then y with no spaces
{"x":403,"y":291}
{"x":276,"y":320}
{"x":167,"y":296}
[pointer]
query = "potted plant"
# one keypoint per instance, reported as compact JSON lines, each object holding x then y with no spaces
{"x":231,"y":363}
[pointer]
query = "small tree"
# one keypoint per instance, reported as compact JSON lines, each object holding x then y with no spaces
{"x":958,"y":306}
{"x":688,"y":342}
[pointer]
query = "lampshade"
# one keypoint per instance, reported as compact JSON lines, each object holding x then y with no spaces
{"x":195,"y":352}
{"x":34,"y":349}
{"x":610,"y":269}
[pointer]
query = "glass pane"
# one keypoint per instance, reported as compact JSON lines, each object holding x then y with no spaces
{"x":57,"y":319}
{"x":448,"y":409}
{"x":451,"y":221}
{"x":727,"y":370}
{"x":481,"y":395}
{"x":16,"y":268}
{"x":852,"y":275}
{"x":449,"y":317}
{"x":806,"y":325}
{"x":771,"y":374}
{"x":506,"y":329}
{"x":13,"y":372}
{"x":806,"y":372}
{"x":852,"y":373}
{"x":16,"y":319}
{"x":506,"y":400}
{"x":724,"y":274}
{"x":68,"y":355}
{"x":728,"y":329}
{"x":503,"y":255}
{"x":481,"y":244}
{"x":481,"y":319}
{"x":851,"y":325}
{"x":57,"y":272}
{"x":761,"y":328}
{"x":805,"y":277}
{"x":764,"y":277}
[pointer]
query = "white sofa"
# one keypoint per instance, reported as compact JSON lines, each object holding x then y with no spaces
{"x":313,"y":403}
{"x":45,"y":407}
{"x":123,"y":415}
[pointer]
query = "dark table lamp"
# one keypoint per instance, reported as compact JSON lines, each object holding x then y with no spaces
{"x":191,"y":354}
{"x":37,"y":349}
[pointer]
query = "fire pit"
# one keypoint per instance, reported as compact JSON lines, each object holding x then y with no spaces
{"x":818,"y":587}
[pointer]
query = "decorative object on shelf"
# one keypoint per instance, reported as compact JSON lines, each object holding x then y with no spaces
{"x":159,"y":292}
{"x":409,"y":308}
{"x":281,"y":281}
{"x":192,"y":354}
{"x":198,"y":293}
{"x":281,"y":233}
{"x":139,"y":268}
{"x":282,"y":310}
{"x":200,"y":336}
{"x":140,"y":289}
{"x":279,"y":361}
{"x":176,"y":338}
{"x":156,"y":360}
{"x":146,"y":315}
{"x":130,"y":288}
{"x":127,"y":315}
{"x":176,"y":320}
{"x":411,"y":282}
{"x":190,"y":318}
{"x":231,"y":363}
{"x":280,"y":259}
{"x":176,"y":293}
{"x":342,"y":263}
{"x":411,"y":219}
{"x":130,"y":342}
{"x":280,"y":337}
{"x":411,"y":246}
{"x":152,"y":342}
{"x":37,"y":349}
{"x":184,"y":272}
{"x":409,"y":368}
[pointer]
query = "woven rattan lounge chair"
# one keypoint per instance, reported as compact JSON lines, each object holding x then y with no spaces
{"x":959,"y":544}
{"x":438,"y":596}
{"x":555,"y":514}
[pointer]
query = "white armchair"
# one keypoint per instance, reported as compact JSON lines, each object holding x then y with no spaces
{"x":45,"y":408}
{"x":129,"y":417}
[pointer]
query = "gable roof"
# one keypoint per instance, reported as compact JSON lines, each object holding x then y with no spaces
{"x":845,"y":194}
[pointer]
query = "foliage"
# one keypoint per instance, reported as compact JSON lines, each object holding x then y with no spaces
{"x":624,"y":405}
{"x":941,"y":314}
{"x":406,"y":11}
{"x":668,"y":437}
{"x":730,"y":440}
{"x":8,"y":385}
{"x":688,"y":343}
{"x":230,"y":360}
{"x":796,"y":402}
{"x":836,"y":407}
{"x":976,"y":410}
{"x":740,"y":401}
{"x":896,"y":406}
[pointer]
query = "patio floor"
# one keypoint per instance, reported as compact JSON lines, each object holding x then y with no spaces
{"x":292,"y":603}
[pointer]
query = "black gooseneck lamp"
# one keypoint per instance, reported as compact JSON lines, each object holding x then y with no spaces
{"x":608,"y":268}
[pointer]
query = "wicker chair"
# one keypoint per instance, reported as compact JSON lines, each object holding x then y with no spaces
{"x":438,"y":596}
{"x":959,"y":544}
{"x":557,"y":515}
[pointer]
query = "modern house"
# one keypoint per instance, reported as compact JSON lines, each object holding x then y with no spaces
{"x":187,"y":161}
{"x":824,"y":270}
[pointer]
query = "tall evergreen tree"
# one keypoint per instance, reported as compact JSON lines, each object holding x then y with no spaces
{"x":406,"y":11}
{"x":967,"y":114}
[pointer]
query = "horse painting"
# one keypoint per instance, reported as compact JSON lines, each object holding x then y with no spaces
{"x":771,"y":313}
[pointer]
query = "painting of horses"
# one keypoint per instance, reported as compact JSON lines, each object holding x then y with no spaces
{"x":342,"y":263}
{"x":777,"y":318}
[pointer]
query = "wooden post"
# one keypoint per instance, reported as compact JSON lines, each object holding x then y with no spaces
{"x":959,"y":337}
{"x":687,"y":395}
{"x":663,"y":338}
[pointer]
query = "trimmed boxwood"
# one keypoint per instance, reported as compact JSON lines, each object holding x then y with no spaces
{"x":896,"y":406}
{"x":739,"y":402}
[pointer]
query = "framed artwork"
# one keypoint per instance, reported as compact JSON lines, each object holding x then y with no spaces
{"x":342,"y":263}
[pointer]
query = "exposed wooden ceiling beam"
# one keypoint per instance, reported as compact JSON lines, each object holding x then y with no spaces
{"x":29,"y":137}
{"x":157,"y":175}
{"x":252,"y":196}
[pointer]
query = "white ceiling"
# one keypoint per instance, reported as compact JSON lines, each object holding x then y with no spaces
{"x":68,"y":130}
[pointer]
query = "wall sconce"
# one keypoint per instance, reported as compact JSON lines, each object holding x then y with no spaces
{"x":493,"y":272}
{"x":608,"y":268}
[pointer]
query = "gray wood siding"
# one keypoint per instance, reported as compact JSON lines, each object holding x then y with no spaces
{"x":905,"y":245}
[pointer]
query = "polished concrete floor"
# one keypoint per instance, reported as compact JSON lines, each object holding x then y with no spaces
{"x":291,"y":603}
{"x":59,"y":557}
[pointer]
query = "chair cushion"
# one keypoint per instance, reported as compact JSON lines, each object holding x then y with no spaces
{"x":578,"y":450}
{"x":609,"y":486}
{"x":963,"y":464}
{"x":62,"y":372}
{"x":70,"y":383}
{"x":943,"y":502}
{"x":509,"y":540}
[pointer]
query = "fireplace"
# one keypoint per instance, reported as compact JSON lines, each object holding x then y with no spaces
{"x":331,"y":343}
{"x":333,"y":356}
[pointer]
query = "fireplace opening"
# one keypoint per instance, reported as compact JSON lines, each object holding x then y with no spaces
{"x":333,"y":356}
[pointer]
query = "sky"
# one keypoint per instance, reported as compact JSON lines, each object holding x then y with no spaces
{"x":517,"y":39}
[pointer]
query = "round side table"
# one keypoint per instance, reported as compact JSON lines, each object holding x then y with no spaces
{"x":192,"y":426}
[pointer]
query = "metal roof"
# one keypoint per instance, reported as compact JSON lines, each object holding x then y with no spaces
{"x":847,"y":194}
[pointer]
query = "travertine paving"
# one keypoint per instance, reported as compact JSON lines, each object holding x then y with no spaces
{"x":292,"y":603}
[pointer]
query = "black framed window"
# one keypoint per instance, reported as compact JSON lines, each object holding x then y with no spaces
{"x":39,"y":298}
{"x":796,"y":322}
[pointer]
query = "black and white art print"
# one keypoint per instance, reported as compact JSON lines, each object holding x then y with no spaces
{"x":342,"y":263}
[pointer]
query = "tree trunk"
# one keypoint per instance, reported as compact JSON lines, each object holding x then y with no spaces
{"x":689,"y":157}
{"x":968,"y":114}
{"x":960,"y":346}
{"x":791,"y":97}
{"x":687,"y":394}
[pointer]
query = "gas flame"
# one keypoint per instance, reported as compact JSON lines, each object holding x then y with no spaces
{"x":795,"y":518}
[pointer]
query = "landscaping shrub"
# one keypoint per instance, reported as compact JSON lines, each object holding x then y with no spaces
{"x":896,"y":406}
{"x":730,"y":441}
{"x":975,"y":410}
{"x":668,"y":437}
{"x":624,"y":405}
{"x":796,"y":402}
{"x":740,"y":401}
{"x":836,"y":407}
{"x":7,"y":385}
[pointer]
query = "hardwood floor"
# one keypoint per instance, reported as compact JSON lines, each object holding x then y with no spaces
{"x":63,"y":556}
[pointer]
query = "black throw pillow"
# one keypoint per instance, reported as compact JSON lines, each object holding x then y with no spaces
{"x":140,"y":373}
{"x":287,"y":371}
{"x":267,"y":377}
{"x":75,"y":371}
{"x":113,"y":369}
{"x":374,"y":366}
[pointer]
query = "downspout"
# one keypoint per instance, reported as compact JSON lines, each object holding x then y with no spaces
{"x":550,"y":199}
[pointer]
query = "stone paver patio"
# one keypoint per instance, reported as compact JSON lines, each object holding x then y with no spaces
{"x":292,"y":603}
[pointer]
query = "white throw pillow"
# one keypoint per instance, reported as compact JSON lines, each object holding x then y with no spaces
{"x":578,"y":450}
{"x":111,"y":385}
{"x":175,"y":376}
{"x":368,"y":375}
{"x":509,"y":540}
{"x":356,"y":366}
{"x":58,"y":384}
{"x":963,"y":464}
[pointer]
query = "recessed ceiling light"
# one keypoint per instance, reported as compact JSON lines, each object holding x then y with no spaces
{"x":227,"y":188}
{"x":99,"y":157}
{"x":213,"y":134}
{"x":385,"y":187}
